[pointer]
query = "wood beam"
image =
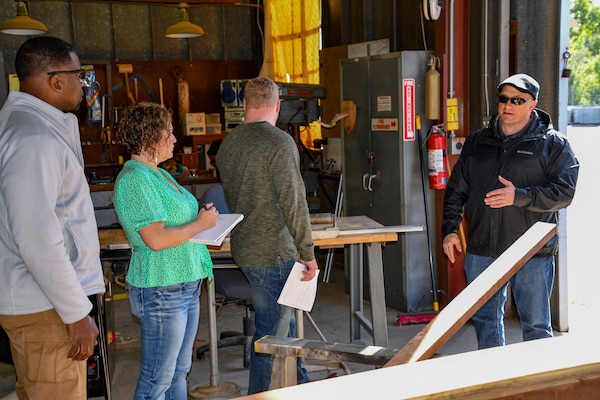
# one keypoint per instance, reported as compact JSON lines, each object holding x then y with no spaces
{"x":462,"y":307}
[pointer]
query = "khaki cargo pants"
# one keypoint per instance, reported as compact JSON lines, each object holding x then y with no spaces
{"x":40,"y":344}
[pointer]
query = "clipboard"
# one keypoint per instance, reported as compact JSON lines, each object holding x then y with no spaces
{"x":214,"y":236}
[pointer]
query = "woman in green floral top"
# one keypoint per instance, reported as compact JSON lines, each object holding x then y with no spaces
{"x":165,"y":274}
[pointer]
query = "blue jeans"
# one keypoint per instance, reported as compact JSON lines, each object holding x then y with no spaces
{"x":270,"y":318}
{"x":169,"y":318}
{"x":531,"y":288}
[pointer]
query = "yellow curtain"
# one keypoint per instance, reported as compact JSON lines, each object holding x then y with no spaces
{"x":295,"y":37}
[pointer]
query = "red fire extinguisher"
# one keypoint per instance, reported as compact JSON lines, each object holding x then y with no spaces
{"x":436,"y":158}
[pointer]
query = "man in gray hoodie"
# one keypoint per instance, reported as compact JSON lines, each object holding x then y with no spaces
{"x":49,"y":250}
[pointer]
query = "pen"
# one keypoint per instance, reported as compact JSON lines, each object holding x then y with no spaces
{"x":207,"y":208}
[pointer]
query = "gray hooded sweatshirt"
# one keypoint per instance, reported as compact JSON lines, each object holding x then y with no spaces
{"x":49,"y":250}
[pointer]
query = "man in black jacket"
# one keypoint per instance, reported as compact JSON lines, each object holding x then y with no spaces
{"x":516,"y":171}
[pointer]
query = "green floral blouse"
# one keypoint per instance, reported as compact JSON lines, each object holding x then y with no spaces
{"x":143,"y":196}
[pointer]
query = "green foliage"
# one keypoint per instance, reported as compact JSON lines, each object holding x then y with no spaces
{"x":584,"y":83}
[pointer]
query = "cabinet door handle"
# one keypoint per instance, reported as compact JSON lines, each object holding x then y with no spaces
{"x":365,"y":177}
{"x":371,"y":181}
{"x":371,"y":178}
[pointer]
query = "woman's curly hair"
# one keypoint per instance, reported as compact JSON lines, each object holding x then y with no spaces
{"x":142,"y":125}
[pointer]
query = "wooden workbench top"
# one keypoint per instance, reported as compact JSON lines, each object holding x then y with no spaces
{"x":185,"y":181}
{"x":108,"y":236}
{"x":345,"y":224}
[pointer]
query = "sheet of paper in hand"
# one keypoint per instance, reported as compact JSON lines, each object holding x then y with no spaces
{"x":297,"y":293}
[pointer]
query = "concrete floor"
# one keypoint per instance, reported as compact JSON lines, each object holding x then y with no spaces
{"x":330,"y":315}
{"x":331,"y":308}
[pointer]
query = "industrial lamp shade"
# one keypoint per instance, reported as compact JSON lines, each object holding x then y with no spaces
{"x":184,"y":28}
{"x":22,"y":24}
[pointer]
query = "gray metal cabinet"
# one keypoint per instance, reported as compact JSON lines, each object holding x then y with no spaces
{"x":382,"y":175}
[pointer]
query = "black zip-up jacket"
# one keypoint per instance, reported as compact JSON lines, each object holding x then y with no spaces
{"x":538,"y":161}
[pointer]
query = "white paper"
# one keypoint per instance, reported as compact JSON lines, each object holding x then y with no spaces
{"x":297,"y":293}
{"x":214,"y":236}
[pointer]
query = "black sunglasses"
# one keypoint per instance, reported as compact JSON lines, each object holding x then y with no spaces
{"x":83,"y":73}
{"x":517,"y":101}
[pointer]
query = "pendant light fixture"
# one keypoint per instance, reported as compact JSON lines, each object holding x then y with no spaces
{"x":184,"y":28}
{"x":22,"y":24}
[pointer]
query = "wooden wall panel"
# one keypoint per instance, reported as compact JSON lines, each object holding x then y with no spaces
{"x":330,"y":78}
{"x":203,"y":79}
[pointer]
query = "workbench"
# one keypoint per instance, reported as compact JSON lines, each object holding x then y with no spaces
{"x":355,"y":232}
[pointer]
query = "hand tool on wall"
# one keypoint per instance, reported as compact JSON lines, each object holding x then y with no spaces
{"x":135,"y":88}
{"x":105,"y":132}
{"x":160,"y":91}
{"x":127,"y":69}
{"x":132,"y":78}
{"x":183,"y":96}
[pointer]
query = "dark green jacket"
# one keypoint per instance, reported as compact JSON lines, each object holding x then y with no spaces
{"x":259,"y":167}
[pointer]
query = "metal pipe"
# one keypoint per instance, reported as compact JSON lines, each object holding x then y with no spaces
{"x":212,"y":334}
{"x":394,"y":26}
{"x":451,"y":51}
{"x":485,"y":58}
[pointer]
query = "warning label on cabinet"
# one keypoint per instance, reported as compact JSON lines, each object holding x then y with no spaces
{"x":384,"y":103}
{"x":384,"y":124}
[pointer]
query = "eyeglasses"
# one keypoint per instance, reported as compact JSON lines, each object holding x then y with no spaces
{"x":517,"y":101}
{"x":83,"y":73}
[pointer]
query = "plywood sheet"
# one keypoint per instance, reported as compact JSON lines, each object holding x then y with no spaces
{"x":462,"y":308}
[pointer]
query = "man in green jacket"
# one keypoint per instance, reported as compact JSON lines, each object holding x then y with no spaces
{"x":259,"y":167}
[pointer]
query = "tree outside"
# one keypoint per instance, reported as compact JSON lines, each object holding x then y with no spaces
{"x":584,"y":48}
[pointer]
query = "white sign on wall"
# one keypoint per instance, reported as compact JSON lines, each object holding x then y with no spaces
{"x":384,"y":124}
{"x":384,"y":103}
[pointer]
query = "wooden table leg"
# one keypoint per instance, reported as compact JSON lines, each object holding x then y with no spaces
{"x":284,"y":372}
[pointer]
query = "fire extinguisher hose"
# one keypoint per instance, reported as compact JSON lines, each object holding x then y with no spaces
{"x":436,"y":306}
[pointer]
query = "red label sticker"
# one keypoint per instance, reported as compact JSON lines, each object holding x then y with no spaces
{"x":408,"y":109}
